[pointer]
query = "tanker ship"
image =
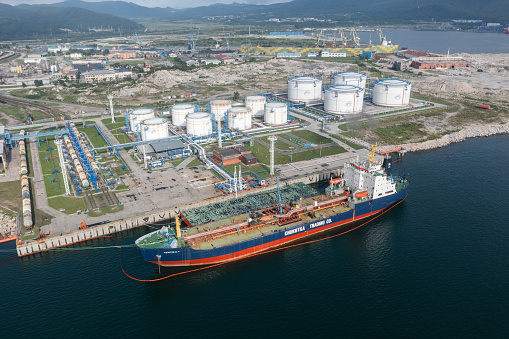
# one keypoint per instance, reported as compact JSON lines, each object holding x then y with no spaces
{"x":239,"y":228}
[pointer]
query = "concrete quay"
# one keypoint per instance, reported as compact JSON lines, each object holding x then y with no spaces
{"x":158,"y":216}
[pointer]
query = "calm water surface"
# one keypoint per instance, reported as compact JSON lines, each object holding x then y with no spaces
{"x":436,"y":265}
{"x":440,"y":42}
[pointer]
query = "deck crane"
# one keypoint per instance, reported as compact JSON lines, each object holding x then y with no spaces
{"x":355,"y":37}
{"x":383,"y":39}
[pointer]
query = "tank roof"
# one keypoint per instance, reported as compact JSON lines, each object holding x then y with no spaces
{"x":239,"y":109}
{"x":198,"y":115}
{"x":255,"y":97}
{"x":304,"y":78}
{"x":343,"y":89}
{"x":351,"y":74}
{"x":392,"y":82}
{"x":183,"y":105}
{"x":220,"y":101}
{"x":154,"y":121}
{"x":143,"y":110}
{"x":275,"y":104}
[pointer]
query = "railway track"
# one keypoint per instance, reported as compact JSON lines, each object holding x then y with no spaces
{"x":30,"y":105}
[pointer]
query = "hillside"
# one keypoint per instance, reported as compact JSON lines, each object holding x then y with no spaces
{"x":365,"y":11}
{"x":119,"y":8}
{"x":24,"y":22}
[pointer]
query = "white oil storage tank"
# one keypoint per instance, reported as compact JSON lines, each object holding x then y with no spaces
{"x":343,"y":99}
{"x":257,"y":104}
{"x":304,"y":88}
{"x":350,"y":78}
{"x":199,"y":124}
{"x":391,"y":92}
{"x":179,"y":113}
{"x":276,"y":113}
{"x":154,"y":129}
{"x":239,"y":118}
{"x":136,"y":116}
{"x":219,"y":107}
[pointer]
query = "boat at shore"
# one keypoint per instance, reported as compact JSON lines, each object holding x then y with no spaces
{"x":9,"y":238}
{"x":240,"y":228}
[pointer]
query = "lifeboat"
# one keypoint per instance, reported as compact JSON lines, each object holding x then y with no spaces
{"x":361,"y":194}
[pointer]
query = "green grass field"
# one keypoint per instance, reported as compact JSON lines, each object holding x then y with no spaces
{"x":311,"y":137}
{"x":70,"y":204}
{"x":262,"y":153}
{"x":279,"y":144}
{"x":195,"y":163}
{"x":349,"y":143}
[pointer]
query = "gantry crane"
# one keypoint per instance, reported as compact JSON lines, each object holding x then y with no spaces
{"x":355,"y":37}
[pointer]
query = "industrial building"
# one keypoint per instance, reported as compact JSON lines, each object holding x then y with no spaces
{"x":440,"y":63}
{"x":234,"y":155}
{"x":155,"y":150}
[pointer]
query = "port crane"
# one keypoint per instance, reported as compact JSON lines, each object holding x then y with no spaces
{"x":227,"y":42}
{"x":355,"y":37}
{"x":138,"y":41}
{"x":191,"y":44}
{"x":342,"y":36}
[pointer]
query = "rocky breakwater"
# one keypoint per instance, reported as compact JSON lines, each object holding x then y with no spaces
{"x":466,"y":132}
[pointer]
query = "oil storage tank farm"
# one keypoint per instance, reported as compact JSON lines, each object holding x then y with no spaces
{"x":391,"y":92}
{"x":239,"y":118}
{"x":276,"y":113}
{"x":343,"y":99}
{"x":304,"y":89}
{"x":154,"y":129}
{"x":257,"y":105}
{"x":199,"y":124}
{"x":179,"y":113}
{"x":219,"y":107}
{"x":137,"y":115}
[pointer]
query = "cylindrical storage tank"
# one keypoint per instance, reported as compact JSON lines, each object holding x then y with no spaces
{"x":95,"y":168}
{"x":136,"y":116}
{"x":154,"y":129}
{"x":257,"y":105}
{"x":391,"y":92}
{"x":304,"y":88}
{"x":27,"y":205}
{"x":343,"y":99}
{"x":199,"y":124}
{"x":276,"y":113}
{"x":239,"y":118}
{"x":219,"y":107}
{"x":179,"y":113}
{"x":27,"y":219}
{"x":23,"y":169}
{"x":350,"y":78}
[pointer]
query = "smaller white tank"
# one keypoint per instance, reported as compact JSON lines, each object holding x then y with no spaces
{"x":391,"y":92}
{"x":350,"y":78}
{"x":199,"y":124}
{"x":179,"y":113}
{"x":304,"y":89}
{"x":136,"y":116}
{"x":257,"y":104}
{"x":154,"y":129}
{"x":343,"y":99}
{"x":276,"y":113}
{"x":239,"y":118}
{"x":219,"y":107}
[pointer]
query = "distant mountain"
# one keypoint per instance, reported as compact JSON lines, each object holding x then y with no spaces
{"x":119,"y":8}
{"x":362,"y":11}
{"x":31,"y":21}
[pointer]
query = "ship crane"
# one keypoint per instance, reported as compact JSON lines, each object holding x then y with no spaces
{"x":383,"y":39}
{"x":227,"y":42}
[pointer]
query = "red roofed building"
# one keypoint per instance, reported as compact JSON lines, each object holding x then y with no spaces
{"x":225,"y":59}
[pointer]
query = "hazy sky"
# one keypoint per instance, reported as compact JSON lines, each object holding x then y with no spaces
{"x":155,"y":3}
